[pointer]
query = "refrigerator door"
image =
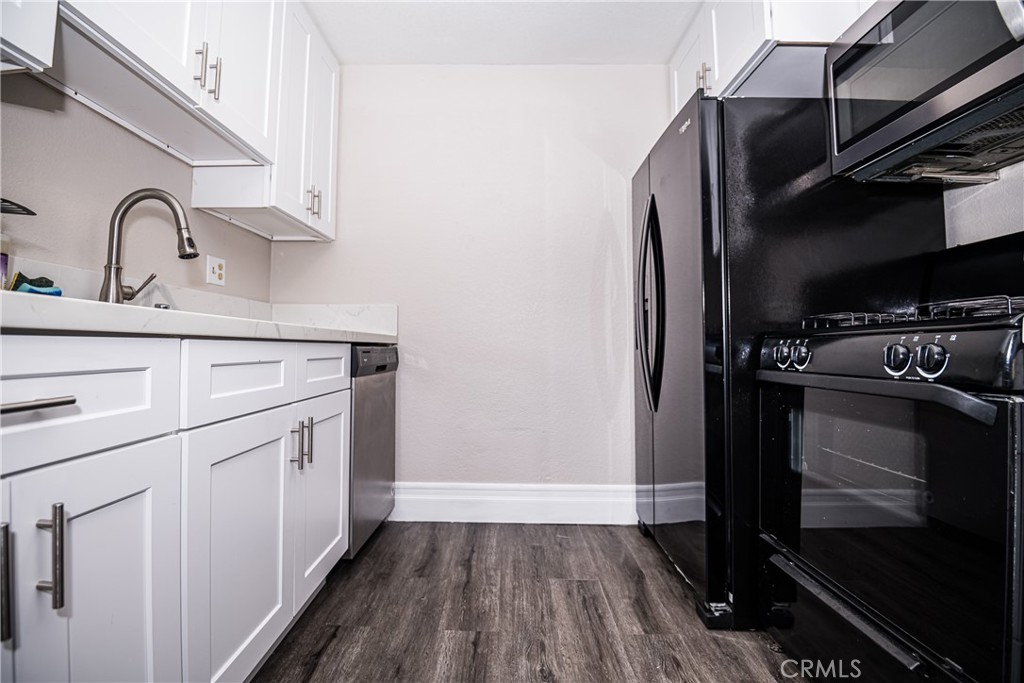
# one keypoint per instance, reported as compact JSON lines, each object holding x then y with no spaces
{"x":644,"y":415}
{"x":679,"y":466}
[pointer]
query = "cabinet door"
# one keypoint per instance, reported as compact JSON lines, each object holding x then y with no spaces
{"x":28,"y":31}
{"x":164,"y":35}
{"x":737,"y":32}
{"x":686,"y":64}
{"x":321,"y":492}
{"x":242,"y":76}
{"x":323,"y":103}
{"x":238,"y":568}
{"x":292,"y":166}
{"x":121,"y":619}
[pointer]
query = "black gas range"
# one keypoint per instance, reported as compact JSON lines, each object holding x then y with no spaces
{"x":890,"y":490}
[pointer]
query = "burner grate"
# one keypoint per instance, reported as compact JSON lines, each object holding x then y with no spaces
{"x":977,"y":307}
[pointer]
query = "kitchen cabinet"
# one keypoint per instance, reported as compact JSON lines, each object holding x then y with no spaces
{"x":204,"y":486}
{"x":120,"y":523}
{"x":266,"y":499}
{"x":294,"y":199}
{"x":197,"y":78}
{"x":26,"y":34}
{"x":123,"y":390}
{"x":732,"y":37}
{"x":320,"y":492}
{"x":238,"y":569}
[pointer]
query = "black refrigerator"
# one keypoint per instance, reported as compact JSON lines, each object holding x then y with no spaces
{"x":739,"y":229}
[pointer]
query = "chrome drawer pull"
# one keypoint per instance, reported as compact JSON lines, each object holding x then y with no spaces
{"x":302,"y":445}
{"x":38,"y":404}
{"x":56,"y":526}
{"x":309,"y":424}
{"x":5,"y":582}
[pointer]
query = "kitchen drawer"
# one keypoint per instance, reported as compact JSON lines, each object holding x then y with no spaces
{"x":125,"y":390}
{"x":225,"y":379}
{"x":322,"y":368}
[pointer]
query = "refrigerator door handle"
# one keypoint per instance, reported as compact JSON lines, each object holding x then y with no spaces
{"x":642,"y":326}
{"x":657,"y":364}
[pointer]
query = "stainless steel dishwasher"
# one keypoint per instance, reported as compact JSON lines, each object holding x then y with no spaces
{"x":372,"y":475}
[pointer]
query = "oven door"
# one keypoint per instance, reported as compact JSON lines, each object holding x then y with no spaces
{"x":899,"y":498}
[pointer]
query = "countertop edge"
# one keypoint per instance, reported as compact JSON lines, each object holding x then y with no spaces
{"x":37,"y":314}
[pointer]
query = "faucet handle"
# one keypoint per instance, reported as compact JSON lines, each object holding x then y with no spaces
{"x":129,"y":293}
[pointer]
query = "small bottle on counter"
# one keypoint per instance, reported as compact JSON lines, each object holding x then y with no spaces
{"x":5,"y":250}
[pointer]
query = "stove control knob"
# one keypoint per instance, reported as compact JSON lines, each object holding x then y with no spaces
{"x":897,"y":359}
{"x":801,"y":357}
{"x":782,"y":355}
{"x":931,"y":358}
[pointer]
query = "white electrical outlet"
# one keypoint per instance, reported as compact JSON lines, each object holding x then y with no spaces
{"x":216,"y":271}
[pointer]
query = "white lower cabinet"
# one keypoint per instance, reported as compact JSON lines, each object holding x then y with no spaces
{"x":119,"y":567}
{"x":320,"y":501}
{"x":261,"y":531}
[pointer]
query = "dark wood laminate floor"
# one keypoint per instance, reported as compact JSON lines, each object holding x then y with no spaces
{"x":506,"y":602}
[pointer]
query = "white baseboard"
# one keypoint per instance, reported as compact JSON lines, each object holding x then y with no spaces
{"x":515,"y":503}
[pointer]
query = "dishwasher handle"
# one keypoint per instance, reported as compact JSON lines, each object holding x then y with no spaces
{"x":374,"y":360}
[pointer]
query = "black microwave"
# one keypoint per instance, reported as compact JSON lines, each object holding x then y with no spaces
{"x":928,"y":90}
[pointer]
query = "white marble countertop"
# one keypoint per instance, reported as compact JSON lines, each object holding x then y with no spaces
{"x":34,"y":313}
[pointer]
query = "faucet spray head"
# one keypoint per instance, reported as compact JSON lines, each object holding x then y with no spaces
{"x":186,"y":245}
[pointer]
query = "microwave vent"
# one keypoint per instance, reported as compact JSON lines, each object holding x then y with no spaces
{"x":969,"y":149}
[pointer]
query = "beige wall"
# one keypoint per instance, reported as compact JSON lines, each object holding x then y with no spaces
{"x":491,"y":204}
{"x":72,"y":166}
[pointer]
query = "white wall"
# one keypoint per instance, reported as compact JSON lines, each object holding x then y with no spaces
{"x":72,"y":166}
{"x":491,"y":204}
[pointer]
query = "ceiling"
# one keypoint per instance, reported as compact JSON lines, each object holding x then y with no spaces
{"x":493,"y":32}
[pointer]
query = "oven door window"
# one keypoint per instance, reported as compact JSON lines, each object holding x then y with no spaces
{"x":903,"y":505}
{"x":916,"y":52}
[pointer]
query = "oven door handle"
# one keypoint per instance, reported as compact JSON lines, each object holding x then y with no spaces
{"x":960,"y":401}
{"x":847,"y":614}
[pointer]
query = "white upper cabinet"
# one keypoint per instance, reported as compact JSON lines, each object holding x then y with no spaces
{"x":294,"y":199}
{"x":164,"y":36}
{"x":242,"y":69}
{"x":27,"y":28}
{"x":323,"y":107}
{"x":731,"y":37}
{"x":195,"y":77}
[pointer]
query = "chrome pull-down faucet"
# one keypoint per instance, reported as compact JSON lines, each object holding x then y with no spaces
{"x":112,"y":291}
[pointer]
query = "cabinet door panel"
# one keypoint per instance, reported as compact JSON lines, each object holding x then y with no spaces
{"x":738,"y":30}
{"x":323,"y":89}
{"x":244,"y":37}
{"x":238,"y":543}
{"x":163,"y":35}
{"x":321,"y":501}
{"x":121,"y":619}
{"x":28,"y":29}
{"x":292,"y":166}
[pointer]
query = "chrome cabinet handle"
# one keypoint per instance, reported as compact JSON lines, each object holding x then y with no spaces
{"x":319,"y":203}
{"x":215,"y":90}
{"x":705,"y":71}
{"x":5,"y":582}
{"x":205,"y":54}
{"x":309,"y":425}
{"x":312,"y":193}
{"x":55,"y":585}
{"x":37,"y":404}
{"x":302,"y":445}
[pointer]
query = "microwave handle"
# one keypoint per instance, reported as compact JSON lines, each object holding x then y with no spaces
{"x":960,"y":401}
{"x":870,"y":631}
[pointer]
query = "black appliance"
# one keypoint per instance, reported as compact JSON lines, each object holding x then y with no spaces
{"x":739,"y":226}
{"x":891,"y":483}
{"x":929,"y":90}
